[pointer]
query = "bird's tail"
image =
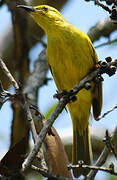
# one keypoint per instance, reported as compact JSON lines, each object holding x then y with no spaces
{"x":82,"y":150}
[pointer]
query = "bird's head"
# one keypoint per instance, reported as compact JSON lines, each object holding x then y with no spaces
{"x":46,"y":16}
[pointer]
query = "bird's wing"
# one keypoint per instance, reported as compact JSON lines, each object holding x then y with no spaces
{"x":97,"y":90}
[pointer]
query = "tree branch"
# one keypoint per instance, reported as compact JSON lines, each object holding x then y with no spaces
{"x":103,"y":28}
{"x":109,"y":42}
{"x":102,"y":158}
{"x":94,"y":168}
{"x":37,"y":78}
{"x":103,"y":6}
{"x":48,"y":174}
{"x":8,"y":74}
{"x":21,"y":97}
{"x":107,"y":112}
{"x":68,"y":96}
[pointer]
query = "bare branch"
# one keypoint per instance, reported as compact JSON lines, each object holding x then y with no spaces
{"x":102,"y":158}
{"x":97,"y":168}
{"x":37,"y":78}
{"x":108,"y":143}
{"x":21,"y":97}
{"x":109,"y":2}
{"x":103,"y":6}
{"x":26,"y":108}
{"x":102,"y":29}
{"x":112,"y":11}
{"x":48,"y":174}
{"x":8,"y":74}
{"x":106,"y":43}
{"x":107,"y":112}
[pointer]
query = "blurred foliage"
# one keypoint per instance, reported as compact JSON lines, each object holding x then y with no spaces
{"x":34,"y":177}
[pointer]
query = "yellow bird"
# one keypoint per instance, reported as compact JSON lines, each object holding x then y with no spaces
{"x":71,"y":56}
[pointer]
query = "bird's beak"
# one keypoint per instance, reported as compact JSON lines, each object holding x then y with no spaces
{"x":27,"y":8}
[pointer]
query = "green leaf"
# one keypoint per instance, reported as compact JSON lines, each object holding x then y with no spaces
{"x":49,"y":112}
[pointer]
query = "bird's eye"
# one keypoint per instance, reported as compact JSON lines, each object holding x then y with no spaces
{"x":45,"y":8}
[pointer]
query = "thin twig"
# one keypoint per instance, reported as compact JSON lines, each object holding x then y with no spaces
{"x":21,"y":97}
{"x":107,"y":112}
{"x":43,"y":132}
{"x":106,"y":43}
{"x":8,"y":74}
{"x":102,"y":158}
{"x":90,"y":77}
{"x":97,"y":168}
{"x":109,"y":2}
{"x":108,"y":143}
{"x":30,"y":120}
{"x":34,"y":81}
{"x":48,"y":174}
{"x":103,"y":6}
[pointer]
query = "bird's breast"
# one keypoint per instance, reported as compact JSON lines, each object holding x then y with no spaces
{"x":69,"y":60}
